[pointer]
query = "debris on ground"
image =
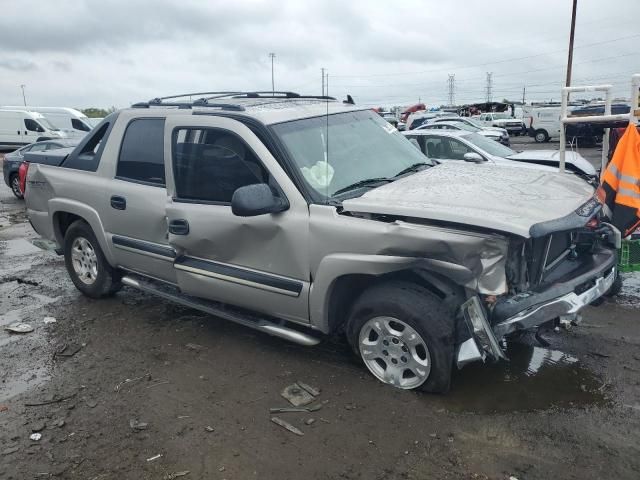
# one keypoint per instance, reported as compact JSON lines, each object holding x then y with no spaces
{"x":91,"y":403}
{"x":19,"y":327}
{"x":296,"y":395}
{"x":3,"y":408}
{"x":136,"y":425}
{"x":172,"y":476}
{"x":48,"y":320}
{"x":48,"y":402}
{"x":67,"y":351}
{"x":310,"y":421}
{"x":194,"y":346}
{"x":35,"y":436}
{"x":313,"y":408}
{"x":38,"y":426}
{"x":209,"y":428}
{"x":131,"y":380}
{"x":308,"y":388}
{"x":155,"y":457}
{"x":287,"y":426}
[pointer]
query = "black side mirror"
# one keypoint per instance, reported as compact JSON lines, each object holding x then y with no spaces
{"x":258,"y":199}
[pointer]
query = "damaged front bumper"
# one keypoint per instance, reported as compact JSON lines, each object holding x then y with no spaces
{"x":532,"y":309}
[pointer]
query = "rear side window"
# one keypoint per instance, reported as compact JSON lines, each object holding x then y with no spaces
{"x":87,"y":154}
{"x":210,"y":164}
{"x":32,"y":125}
{"x":142,"y":152}
{"x":78,"y":125}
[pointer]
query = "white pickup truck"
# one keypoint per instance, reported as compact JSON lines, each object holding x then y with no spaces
{"x":512,"y":125}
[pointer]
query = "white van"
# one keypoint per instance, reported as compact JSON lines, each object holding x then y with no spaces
{"x":543,"y":123}
{"x":20,"y":127}
{"x":71,"y":121}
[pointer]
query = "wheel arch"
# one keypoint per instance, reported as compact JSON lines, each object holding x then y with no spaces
{"x":64,"y":212}
{"x":341,"y":281}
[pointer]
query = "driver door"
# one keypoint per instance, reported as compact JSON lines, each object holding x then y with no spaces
{"x":259,"y":262}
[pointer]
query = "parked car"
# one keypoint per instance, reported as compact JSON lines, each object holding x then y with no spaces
{"x":20,"y":127}
{"x":459,"y":145}
{"x":414,"y":120}
{"x":390,"y":117}
{"x":467,"y":121}
{"x":13,"y":160}
{"x":514,"y":126}
{"x":495,"y":135}
{"x":299,"y":217}
{"x":73,"y":123}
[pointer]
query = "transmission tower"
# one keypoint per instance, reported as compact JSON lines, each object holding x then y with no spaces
{"x":489,"y":86}
{"x":452,"y":89}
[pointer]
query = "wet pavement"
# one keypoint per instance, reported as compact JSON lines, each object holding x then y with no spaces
{"x":203,"y":387}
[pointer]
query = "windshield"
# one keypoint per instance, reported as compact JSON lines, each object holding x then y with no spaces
{"x":47,"y":124}
{"x":490,"y":146}
{"x":467,"y":127}
{"x":357,"y":146}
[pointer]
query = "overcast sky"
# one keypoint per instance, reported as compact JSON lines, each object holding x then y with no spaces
{"x":115,"y":52}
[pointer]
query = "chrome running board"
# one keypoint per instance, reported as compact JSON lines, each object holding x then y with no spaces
{"x":274,"y":327}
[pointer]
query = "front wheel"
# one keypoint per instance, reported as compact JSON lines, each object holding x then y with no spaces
{"x":14,"y":181}
{"x":86,"y":264}
{"x":541,"y":136}
{"x":404,"y":335}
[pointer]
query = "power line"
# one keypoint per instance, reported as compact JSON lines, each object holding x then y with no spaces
{"x":490,"y":63}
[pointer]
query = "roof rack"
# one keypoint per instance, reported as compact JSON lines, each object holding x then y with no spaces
{"x":203,"y":101}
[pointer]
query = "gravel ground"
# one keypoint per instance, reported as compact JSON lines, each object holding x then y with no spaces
{"x":136,"y":388}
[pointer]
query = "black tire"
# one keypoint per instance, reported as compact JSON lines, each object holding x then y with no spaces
{"x":615,"y":288}
{"x":14,"y":182}
{"x":541,"y":136}
{"x":421,"y":310}
{"x":107,"y":279}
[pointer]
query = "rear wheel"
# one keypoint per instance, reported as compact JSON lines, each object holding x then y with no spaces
{"x":86,"y":264}
{"x":404,"y":335}
{"x":14,"y":181}
{"x":541,"y":136}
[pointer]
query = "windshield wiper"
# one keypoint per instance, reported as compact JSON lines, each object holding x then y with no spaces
{"x":413,"y":168}
{"x":367,"y":182}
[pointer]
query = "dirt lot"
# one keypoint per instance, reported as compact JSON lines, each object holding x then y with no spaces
{"x":204,"y":387}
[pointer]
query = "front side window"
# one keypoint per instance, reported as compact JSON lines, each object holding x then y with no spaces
{"x":32,"y":125}
{"x":142,"y":152}
{"x":490,"y":146}
{"x":210,"y":164}
{"x":336,"y":151}
{"x":79,"y":125}
{"x":39,"y":147}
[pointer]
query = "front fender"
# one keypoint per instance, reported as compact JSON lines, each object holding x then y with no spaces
{"x":334,"y":266}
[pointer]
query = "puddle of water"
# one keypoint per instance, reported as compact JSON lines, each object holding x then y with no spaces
{"x":21,"y":382}
{"x":18,"y":246}
{"x":630,"y":294}
{"x":534,"y":378}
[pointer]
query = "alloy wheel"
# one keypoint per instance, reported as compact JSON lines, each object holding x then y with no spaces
{"x":394,"y":352}
{"x":84,"y":260}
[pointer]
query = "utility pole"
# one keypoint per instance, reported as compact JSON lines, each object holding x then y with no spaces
{"x":322,"y":73}
{"x":452,"y":89}
{"x":571,"y":35}
{"x":489,"y":86}
{"x":273,"y":84}
{"x":524,"y":90}
{"x":24,"y":99}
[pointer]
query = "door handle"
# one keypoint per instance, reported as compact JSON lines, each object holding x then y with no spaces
{"x":179,"y":227}
{"x":119,"y":203}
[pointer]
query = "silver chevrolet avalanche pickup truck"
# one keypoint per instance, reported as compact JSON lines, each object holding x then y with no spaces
{"x":304,"y":216}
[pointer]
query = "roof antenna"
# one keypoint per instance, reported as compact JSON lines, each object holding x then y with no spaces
{"x":349,"y":100}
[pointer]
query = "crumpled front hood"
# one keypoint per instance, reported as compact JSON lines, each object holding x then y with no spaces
{"x":552,"y":157}
{"x":507,"y":199}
